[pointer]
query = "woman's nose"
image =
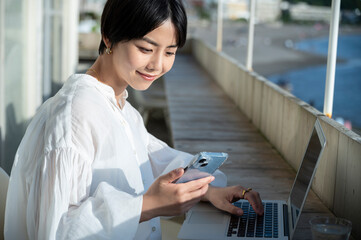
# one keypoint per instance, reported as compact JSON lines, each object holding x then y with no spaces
{"x":155,"y":63}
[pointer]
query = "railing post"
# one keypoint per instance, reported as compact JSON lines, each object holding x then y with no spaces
{"x":252,"y":10}
{"x":219,"y":25}
{"x":331,"y":58}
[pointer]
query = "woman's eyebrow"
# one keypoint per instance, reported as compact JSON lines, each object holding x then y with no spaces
{"x":156,"y":44}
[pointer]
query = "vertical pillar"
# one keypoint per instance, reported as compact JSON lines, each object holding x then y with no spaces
{"x":70,"y":22}
{"x":32,"y":56}
{"x":331,"y":58}
{"x":219,"y":25}
{"x":252,"y":10}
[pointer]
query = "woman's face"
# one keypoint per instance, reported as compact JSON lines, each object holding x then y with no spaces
{"x":140,"y":62}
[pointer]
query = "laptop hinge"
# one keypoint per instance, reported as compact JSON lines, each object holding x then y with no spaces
{"x":285,"y":220}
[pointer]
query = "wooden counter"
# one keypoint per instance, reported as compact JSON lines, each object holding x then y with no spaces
{"x":203,"y":118}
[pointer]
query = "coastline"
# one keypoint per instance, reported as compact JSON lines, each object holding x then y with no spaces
{"x":273,"y":42}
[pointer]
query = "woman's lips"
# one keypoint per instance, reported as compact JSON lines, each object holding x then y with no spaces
{"x":147,"y":77}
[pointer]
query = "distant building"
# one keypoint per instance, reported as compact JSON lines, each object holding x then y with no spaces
{"x":266,"y":10}
{"x":236,"y":10}
{"x":304,"y":12}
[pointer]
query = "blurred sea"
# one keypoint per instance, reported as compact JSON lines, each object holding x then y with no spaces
{"x":308,"y":84}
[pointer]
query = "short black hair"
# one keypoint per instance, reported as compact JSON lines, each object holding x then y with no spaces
{"x":124,"y":20}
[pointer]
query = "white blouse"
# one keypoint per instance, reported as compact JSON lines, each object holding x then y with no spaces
{"x":83,"y":166}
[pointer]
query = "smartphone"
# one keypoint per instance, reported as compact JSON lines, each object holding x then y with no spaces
{"x":203,"y":164}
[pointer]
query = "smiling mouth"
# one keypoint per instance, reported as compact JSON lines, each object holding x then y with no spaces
{"x":147,"y":77}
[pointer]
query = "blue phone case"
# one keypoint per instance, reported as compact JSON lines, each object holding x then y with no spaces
{"x":203,"y":164}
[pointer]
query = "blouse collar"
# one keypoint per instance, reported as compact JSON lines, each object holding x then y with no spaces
{"x":107,"y":90}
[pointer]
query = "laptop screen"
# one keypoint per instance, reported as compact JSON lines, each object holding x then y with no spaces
{"x":305,"y":174}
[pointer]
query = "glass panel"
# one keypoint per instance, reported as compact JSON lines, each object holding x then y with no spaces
{"x":14,"y":42}
{"x":57,"y":43}
{"x":2,"y":110}
{"x":52,"y":47}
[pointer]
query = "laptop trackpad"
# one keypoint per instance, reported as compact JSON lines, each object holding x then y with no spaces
{"x":200,"y":217}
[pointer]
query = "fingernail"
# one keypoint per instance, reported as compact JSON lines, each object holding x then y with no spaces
{"x":239,"y":212}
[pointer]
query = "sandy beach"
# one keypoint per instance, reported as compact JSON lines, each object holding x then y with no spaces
{"x":273,"y":42}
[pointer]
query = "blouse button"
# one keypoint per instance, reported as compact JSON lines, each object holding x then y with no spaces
{"x":153,"y":229}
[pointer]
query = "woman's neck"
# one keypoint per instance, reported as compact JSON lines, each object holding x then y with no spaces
{"x":105,"y":73}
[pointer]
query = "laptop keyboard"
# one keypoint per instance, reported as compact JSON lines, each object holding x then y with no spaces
{"x":252,"y":225}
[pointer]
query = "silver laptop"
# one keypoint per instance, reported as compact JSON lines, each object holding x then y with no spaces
{"x":280,"y":218}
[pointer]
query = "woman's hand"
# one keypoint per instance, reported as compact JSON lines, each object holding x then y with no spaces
{"x":223,"y":198}
{"x":165,"y":198}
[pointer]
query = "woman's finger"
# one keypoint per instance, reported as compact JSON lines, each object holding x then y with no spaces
{"x":172,"y":175}
{"x":255,"y":201}
{"x":198,"y":193}
{"x":197,"y":184}
{"x":232,"y":209}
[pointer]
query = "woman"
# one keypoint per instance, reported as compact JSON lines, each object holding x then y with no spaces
{"x":86,"y":167}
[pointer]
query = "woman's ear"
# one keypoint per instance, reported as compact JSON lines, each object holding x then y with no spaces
{"x":106,"y":42}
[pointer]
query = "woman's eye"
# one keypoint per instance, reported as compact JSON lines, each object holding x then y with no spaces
{"x":145,"y":50}
{"x":170,"y":53}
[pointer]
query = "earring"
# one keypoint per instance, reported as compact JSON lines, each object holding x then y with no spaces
{"x":108,"y":51}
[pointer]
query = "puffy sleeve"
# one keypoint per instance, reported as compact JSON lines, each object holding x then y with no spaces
{"x":65,"y":209}
{"x":164,"y":159}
